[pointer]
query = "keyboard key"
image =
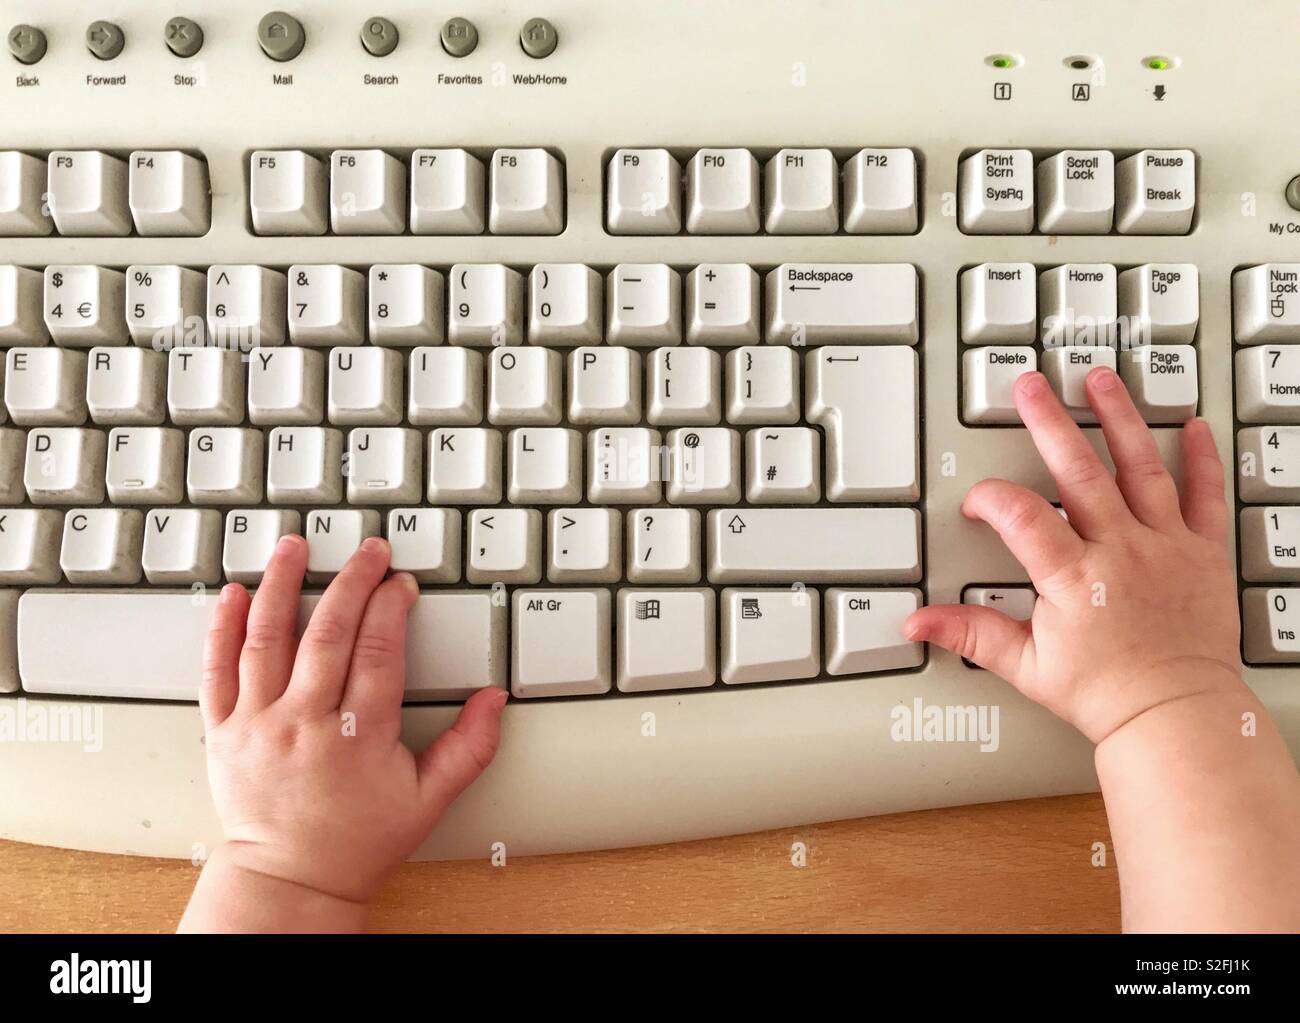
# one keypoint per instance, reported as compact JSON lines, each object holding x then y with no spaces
{"x":247,"y":306}
{"x":22,"y":320}
{"x":866,"y":399}
{"x":45,"y":386}
{"x":1162,"y":381}
{"x":1067,"y":369}
{"x":864,"y":631}
{"x":1160,"y":303}
{"x":205,"y":386}
{"x":989,"y":374}
{"x":505,"y":546}
{"x":384,"y":466}
{"x":485,"y":306}
{"x":880,"y":192}
{"x":367,"y":192}
{"x":65,"y":465}
{"x":23,"y":184}
{"x":722,"y":305}
{"x":605,"y":386}
{"x":527,"y":188}
{"x":30,"y":539}
{"x":1016,"y":602}
{"x":1268,"y":384}
{"x":999,"y":304}
{"x":784,"y":465}
{"x":545,"y":466}
{"x":464,"y":466}
{"x":165,"y":306}
{"x":168,"y":193}
{"x":663,"y":545}
{"x":1270,"y":544}
{"x":842,"y":303}
{"x":1155,"y":192}
{"x":224,"y":466}
{"x":566,"y":305}
{"x":624,"y":466}
{"x":665,"y":639}
{"x":405,"y":305}
{"x":146,"y":465}
{"x":1268,"y":464}
{"x":703,"y":466}
{"x":770,"y":635}
{"x":447,"y":192}
{"x":1266,"y":303}
{"x":996,"y":192}
{"x":182,"y":546}
{"x":446,"y":387}
{"x":644,"y":192}
{"x":585,"y":545}
{"x":1076,"y":192}
{"x":644,"y":305}
{"x":763,"y":385}
{"x":426,"y":543}
{"x":561,"y":643}
{"x":88,"y":193}
{"x":250,"y":539}
{"x":803,"y":192}
{"x":1078,"y":305}
{"x":101,"y":546}
{"x":304,"y":465}
{"x":126,"y":386}
{"x":326,"y":305}
{"x":286,"y":386}
{"x":288,"y":193}
{"x":84,"y":306}
{"x":365,"y":386}
{"x":1271,"y":625}
{"x":333,"y":535}
{"x":684,"y":387}
{"x":722,"y":192}
{"x":853,"y":545}
{"x":524,"y":387}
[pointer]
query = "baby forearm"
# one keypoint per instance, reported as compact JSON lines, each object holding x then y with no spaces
{"x":231,"y":897}
{"x":1184,"y":784}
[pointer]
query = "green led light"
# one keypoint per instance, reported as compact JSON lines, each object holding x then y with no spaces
{"x":1002,"y":62}
{"x":1158,"y":64}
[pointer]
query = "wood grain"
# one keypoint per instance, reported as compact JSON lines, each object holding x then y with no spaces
{"x":1024,"y":866}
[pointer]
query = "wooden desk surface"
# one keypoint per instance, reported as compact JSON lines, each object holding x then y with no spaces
{"x":1023,"y":866}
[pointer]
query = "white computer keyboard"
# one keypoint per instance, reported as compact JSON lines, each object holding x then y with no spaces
{"x":660,"y":339}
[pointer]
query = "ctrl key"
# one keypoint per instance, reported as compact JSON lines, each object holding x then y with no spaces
{"x":864,"y":631}
{"x":561,"y":643}
{"x":1271,"y":625}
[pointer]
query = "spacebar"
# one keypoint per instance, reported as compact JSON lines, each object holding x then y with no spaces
{"x":148,"y":644}
{"x":814,"y":545}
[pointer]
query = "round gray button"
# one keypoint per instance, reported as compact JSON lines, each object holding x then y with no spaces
{"x":104,"y":39}
{"x":183,"y":37}
{"x":1293,"y":192}
{"x":26,"y":43}
{"x":281,"y":36}
{"x":538,"y":37}
{"x":379,"y":37}
{"x":459,"y":36}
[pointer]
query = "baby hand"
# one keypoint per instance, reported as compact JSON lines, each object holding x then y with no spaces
{"x":309,"y":775}
{"x":1137,"y":598}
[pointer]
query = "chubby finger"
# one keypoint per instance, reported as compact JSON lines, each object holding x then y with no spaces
{"x":325,"y":651}
{"x":1205,"y":509}
{"x":219,"y":689}
{"x":982,"y":635}
{"x":1044,"y":543}
{"x":271,"y":636}
{"x":459,"y":755}
{"x":378,"y":673}
{"x":1140,"y":472}
{"x":1087,"y":489}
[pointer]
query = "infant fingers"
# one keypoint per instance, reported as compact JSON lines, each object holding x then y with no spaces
{"x":271,"y":635}
{"x":378,"y":674}
{"x":1034,"y":532}
{"x":219,"y":690}
{"x":980,"y":634}
{"x":461,"y":753}
{"x":1204,"y":509}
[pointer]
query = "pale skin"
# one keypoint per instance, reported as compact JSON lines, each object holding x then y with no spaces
{"x":1204,"y":817}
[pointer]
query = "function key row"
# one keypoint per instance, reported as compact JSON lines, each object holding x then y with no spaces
{"x":91,"y":193}
{"x":797,"y":192}
{"x":479,"y":305}
{"x":435,"y":192}
{"x":1077,"y":191}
